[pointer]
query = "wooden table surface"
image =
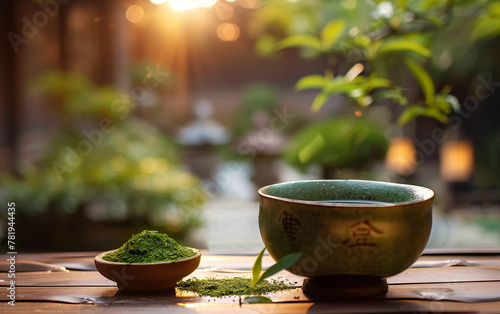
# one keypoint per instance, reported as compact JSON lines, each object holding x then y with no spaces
{"x":450,"y":282}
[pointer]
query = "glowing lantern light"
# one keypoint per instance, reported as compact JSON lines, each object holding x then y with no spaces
{"x":401,"y":157}
{"x":457,"y":161}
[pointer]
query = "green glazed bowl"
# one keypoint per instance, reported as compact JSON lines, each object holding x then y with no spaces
{"x":352,"y":233}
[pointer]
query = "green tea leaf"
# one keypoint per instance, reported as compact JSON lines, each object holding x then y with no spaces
{"x":257,"y":268}
{"x":403,"y":46}
{"x":256,"y":299}
{"x":284,"y":263}
{"x":424,"y":80}
{"x":300,"y":40}
{"x":331,"y":33}
{"x":311,"y":81}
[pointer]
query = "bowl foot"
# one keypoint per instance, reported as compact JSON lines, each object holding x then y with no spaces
{"x":344,"y":286}
{"x":147,"y":286}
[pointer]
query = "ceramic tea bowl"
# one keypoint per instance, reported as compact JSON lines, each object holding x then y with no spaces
{"x":149,"y":276}
{"x":352,"y":233}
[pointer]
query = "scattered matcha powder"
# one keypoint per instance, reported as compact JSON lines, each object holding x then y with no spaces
{"x":213,"y":287}
{"x":149,"y":247}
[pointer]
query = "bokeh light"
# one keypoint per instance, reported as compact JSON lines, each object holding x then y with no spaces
{"x":249,"y":4}
{"x":135,"y":13}
{"x":457,"y":161}
{"x":224,"y":11}
{"x":228,"y":32}
{"x":183,"y":5}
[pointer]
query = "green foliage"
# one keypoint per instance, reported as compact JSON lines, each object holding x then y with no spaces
{"x":304,"y":41}
{"x":358,"y":88}
{"x":331,"y":33}
{"x":424,"y":79}
{"x":75,"y":95}
{"x":337,"y":142}
{"x":489,"y":25}
{"x":325,"y":43}
{"x":438,"y":106}
{"x":128,"y":170}
{"x":401,"y":46}
{"x":386,"y":37}
{"x":255,"y":97}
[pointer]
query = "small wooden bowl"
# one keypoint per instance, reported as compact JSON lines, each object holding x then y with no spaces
{"x":147,"y":277}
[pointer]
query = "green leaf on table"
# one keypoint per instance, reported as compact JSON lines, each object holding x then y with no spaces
{"x":417,"y":111}
{"x":256,"y":299}
{"x":257,"y":268}
{"x":300,"y":40}
{"x":284,"y":263}
{"x":424,"y":80}
{"x":311,"y":81}
{"x":402,"y":46}
{"x":331,"y":33}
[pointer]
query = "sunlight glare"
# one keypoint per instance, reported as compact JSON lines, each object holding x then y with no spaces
{"x":183,"y":5}
{"x":158,"y":1}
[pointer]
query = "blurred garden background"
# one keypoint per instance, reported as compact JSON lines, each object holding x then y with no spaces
{"x":123,"y":115}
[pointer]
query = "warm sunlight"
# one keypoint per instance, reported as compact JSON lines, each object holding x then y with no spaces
{"x":183,"y":5}
{"x":135,"y":13}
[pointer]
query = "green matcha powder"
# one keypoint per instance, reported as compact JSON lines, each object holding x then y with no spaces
{"x":154,"y":247}
{"x":213,"y":287}
{"x":149,"y":247}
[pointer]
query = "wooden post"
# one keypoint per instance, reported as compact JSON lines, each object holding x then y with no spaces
{"x":10,"y":79}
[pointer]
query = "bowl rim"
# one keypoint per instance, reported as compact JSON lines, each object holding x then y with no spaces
{"x":99,"y":259}
{"x":428,"y":196}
